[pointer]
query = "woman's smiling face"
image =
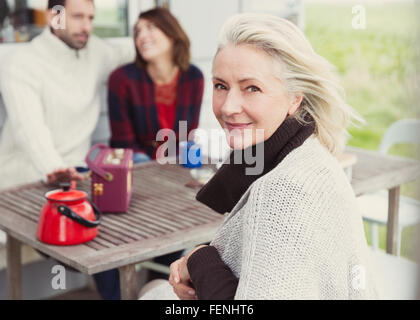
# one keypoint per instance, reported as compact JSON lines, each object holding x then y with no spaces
{"x":151,"y":42}
{"x":247,"y":96}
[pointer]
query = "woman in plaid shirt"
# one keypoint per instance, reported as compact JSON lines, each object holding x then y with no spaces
{"x":158,"y":90}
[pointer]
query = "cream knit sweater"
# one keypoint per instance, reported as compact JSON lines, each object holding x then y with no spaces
{"x":52,"y":99}
{"x":296,"y":234}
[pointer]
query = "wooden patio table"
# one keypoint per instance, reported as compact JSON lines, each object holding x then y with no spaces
{"x":163,"y":217}
{"x":374,"y":172}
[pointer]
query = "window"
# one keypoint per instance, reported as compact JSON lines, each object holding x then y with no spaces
{"x":22,"y":20}
{"x":111,"y":18}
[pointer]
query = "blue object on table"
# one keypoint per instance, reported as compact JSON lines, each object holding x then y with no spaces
{"x":141,"y":158}
{"x":190,"y":154}
{"x":82,"y":169}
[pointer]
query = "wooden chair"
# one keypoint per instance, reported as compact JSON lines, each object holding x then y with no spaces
{"x":375,"y":206}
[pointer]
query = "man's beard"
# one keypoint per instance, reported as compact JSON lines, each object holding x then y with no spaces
{"x":70,"y":40}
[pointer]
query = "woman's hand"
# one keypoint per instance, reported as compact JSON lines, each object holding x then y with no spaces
{"x":180,"y":278}
{"x":64,"y":175}
{"x":180,"y":282}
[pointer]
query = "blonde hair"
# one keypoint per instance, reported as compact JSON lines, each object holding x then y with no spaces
{"x":302,"y":71}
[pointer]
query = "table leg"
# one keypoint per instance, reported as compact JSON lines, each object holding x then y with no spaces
{"x":14,"y":268}
{"x":392,"y":224}
{"x":128,"y":282}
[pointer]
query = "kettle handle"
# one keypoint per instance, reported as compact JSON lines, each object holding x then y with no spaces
{"x":66,"y":211}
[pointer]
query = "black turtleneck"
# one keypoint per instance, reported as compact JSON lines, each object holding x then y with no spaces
{"x":211,"y":277}
{"x":230,"y":182}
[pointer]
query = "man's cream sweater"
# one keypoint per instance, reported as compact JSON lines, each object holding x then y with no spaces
{"x":52,"y":96}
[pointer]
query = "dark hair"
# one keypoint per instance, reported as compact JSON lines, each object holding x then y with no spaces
{"x":53,"y":3}
{"x":170,"y":26}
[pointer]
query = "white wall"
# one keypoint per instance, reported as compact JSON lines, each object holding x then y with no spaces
{"x":202,"y":20}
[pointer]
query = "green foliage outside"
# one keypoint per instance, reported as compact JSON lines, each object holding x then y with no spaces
{"x":378,"y":66}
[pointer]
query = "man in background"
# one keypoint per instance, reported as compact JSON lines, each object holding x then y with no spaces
{"x":51,"y":90}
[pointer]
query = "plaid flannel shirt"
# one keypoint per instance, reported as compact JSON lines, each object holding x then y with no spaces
{"x":132,"y":107}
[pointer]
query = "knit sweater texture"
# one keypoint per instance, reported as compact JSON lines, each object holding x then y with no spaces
{"x":297,"y":233}
{"x":52,"y":96}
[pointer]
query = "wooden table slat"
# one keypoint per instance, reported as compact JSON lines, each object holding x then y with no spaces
{"x":18,"y":212}
{"x":122,"y":228}
{"x":107,"y":240}
{"x":180,"y":221}
{"x":10,"y":200}
{"x":150,"y":220}
{"x":23,"y":202}
{"x":184,"y":217}
{"x":124,"y":224}
{"x":191,"y":211}
{"x":37,"y":195}
{"x":115,"y":231}
{"x":174,"y":201}
{"x":94,"y":244}
{"x":162,"y":219}
{"x":169,"y":214}
{"x":139,"y":220}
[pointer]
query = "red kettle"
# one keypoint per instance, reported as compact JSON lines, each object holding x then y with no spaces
{"x":68,"y":218}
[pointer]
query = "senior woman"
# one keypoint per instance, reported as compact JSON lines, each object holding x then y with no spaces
{"x":293,"y":231}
